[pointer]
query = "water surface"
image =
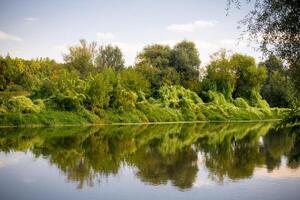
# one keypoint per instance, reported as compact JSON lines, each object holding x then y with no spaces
{"x":176,"y":161}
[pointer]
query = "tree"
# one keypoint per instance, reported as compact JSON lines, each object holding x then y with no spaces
{"x":67,"y":91}
{"x":245,"y":71}
{"x":156,"y":55}
{"x":277,"y":88}
{"x":100,"y":88}
{"x":109,"y":56}
{"x":274,"y":25}
{"x":158,"y":77}
{"x":294,"y":70}
{"x":81,"y":57}
{"x":233,"y":76}
{"x":278,"y":91}
{"x":131,"y":79}
{"x":185,"y":59}
{"x":220,"y":75}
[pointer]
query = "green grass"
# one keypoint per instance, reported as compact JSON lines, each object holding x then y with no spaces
{"x":175,"y":104}
{"x":45,"y":118}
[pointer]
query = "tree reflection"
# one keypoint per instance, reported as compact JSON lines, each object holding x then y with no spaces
{"x":159,"y":153}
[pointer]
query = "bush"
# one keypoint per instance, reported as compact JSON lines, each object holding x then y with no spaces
{"x":177,"y":96}
{"x":66,"y":103}
{"x":23,"y":104}
{"x":124,"y":99}
{"x":241,"y":103}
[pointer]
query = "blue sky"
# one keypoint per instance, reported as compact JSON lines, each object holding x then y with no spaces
{"x":40,"y":28}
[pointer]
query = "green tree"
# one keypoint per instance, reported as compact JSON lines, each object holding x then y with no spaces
{"x":155,"y":55}
{"x":158,"y":78}
{"x":185,"y":59}
{"x":220,"y":75}
{"x":100,"y":88}
{"x":132,"y":80}
{"x":277,"y":88}
{"x":67,"y":92}
{"x":245,"y":71}
{"x":81,"y":57}
{"x":274,"y":25}
{"x":109,"y":56}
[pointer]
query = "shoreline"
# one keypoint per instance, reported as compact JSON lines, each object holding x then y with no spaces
{"x":136,"y":123}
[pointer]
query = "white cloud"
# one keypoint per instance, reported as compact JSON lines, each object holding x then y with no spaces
{"x":6,"y":36}
{"x":105,"y":36}
{"x":31,"y":19}
{"x":192,"y":27}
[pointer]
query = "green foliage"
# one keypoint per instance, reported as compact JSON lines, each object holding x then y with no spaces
{"x":68,"y":92}
{"x":220,"y":75}
{"x":274,"y":26}
{"x":158,"y":77}
{"x":245,"y":69}
{"x":233,"y":77}
{"x":133,"y":80}
{"x":124,"y":99}
{"x":278,"y":91}
{"x":294,"y":71}
{"x":163,"y":86}
{"x":47,"y":118}
{"x":156,"y":55}
{"x":241,"y":103}
{"x":278,"y":88}
{"x":109,"y":56}
{"x":81,"y":57}
{"x":19,"y":74}
{"x":185,"y":59}
{"x":99,"y":89}
{"x":22,"y":104}
{"x":177,"y":97}
{"x":292,"y":119}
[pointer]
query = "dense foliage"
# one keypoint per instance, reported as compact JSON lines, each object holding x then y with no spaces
{"x":93,"y":86}
{"x":274,"y":26}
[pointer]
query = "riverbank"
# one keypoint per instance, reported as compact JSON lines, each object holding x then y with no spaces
{"x":157,"y":116}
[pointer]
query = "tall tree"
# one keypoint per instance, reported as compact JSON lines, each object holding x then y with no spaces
{"x":109,"y":56}
{"x":185,"y":59}
{"x":274,"y":25}
{"x":277,"y":88}
{"x":249,"y":77}
{"x":220,"y":75}
{"x":156,"y":55}
{"x":81,"y":57}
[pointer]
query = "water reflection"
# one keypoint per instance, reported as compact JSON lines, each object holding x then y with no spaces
{"x":161,"y":153}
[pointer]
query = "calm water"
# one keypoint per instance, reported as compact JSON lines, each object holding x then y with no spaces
{"x":184,"y":161}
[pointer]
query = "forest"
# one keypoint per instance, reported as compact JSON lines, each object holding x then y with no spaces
{"x":166,"y":84}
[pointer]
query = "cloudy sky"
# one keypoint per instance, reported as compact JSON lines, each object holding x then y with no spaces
{"x":36,"y":28}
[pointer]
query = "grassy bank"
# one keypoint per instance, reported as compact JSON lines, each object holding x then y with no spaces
{"x":149,"y":115}
{"x":172,"y":104}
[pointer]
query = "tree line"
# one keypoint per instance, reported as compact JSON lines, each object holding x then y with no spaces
{"x":96,"y":77}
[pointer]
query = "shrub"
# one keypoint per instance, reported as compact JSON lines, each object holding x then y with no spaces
{"x":176,"y":96}
{"x":23,"y":104}
{"x":241,"y":103}
{"x":124,"y":99}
